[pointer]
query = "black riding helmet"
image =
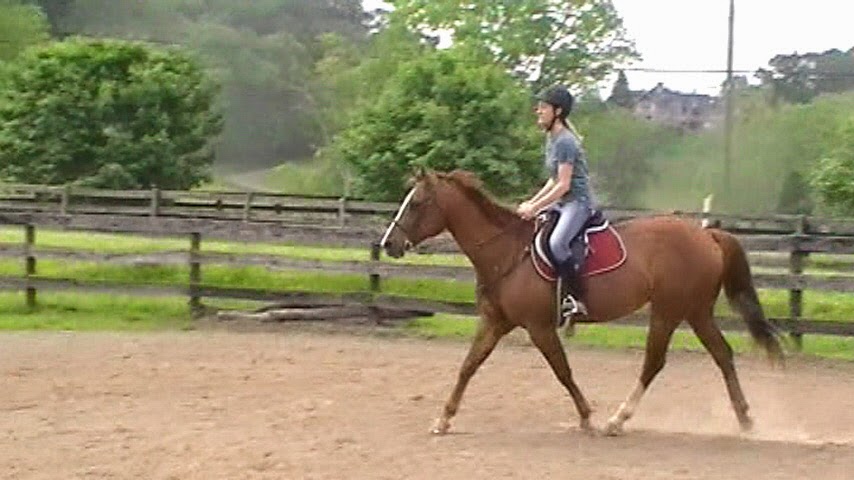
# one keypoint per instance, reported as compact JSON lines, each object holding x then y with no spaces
{"x":558,"y":97}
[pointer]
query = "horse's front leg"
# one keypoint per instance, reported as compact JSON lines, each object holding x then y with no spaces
{"x":487,"y":336}
{"x":547,"y":341}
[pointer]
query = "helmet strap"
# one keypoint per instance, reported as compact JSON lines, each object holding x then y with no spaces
{"x":555,"y":117}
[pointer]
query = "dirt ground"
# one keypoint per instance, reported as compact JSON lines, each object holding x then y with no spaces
{"x":307,"y":403}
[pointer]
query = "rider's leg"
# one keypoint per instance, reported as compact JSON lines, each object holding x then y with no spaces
{"x":572,"y":219}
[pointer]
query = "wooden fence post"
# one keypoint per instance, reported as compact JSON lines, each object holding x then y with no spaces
{"x":796,"y":295}
{"x":342,"y":211}
{"x":247,"y":207}
{"x":64,"y":199}
{"x":155,"y":202}
{"x":375,"y":277}
{"x":30,"y":263}
{"x":707,"y":209}
{"x":195,"y":272}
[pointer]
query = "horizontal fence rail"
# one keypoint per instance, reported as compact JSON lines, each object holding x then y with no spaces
{"x":256,"y":206}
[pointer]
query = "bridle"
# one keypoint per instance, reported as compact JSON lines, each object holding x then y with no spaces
{"x":507,"y":228}
{"x":395,"y":223}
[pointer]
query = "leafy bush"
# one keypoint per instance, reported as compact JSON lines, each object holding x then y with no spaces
{"x":107,"y":114}
{"x":833,"y":177}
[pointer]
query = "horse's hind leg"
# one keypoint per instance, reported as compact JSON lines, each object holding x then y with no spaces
{"x":712,"y":338}
{"x":488,"y":334}
{"x":660,"y":330}
{"x":547,"y":341}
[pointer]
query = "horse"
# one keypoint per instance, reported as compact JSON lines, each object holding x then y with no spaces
{"x":674,"y":265}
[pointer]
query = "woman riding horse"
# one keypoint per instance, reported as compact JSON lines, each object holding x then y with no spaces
{"x":675,"y":266}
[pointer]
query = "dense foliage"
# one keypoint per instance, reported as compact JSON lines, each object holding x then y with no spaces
{"x":443,"y":111}
{"x":549,"y":41}
{"x":833,"y":177}
{"x":108,"y":114}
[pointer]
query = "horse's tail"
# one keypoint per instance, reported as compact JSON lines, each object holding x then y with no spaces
{"x":738,"y":286}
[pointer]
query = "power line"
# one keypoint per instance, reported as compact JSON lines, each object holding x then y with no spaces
{"x":667,"y":70}
{"x":809,"y":72}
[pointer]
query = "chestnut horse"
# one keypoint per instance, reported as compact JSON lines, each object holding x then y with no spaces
{"x":676,"y":266}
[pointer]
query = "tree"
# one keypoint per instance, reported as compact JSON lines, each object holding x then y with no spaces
{"x":20,"y":26}
{"x":264,"y":53}
{"x":620,"y":148}
{"x":833,"y":177}
{"x":551,"y":41}
{"x":621,"y":95}
{"x":444,"y":110}
{"x":56,"y":11}
{"x":107,"y":114}
{"x":795,"y":195}
{"x":800,"y":78}
{"x":349,"y":74}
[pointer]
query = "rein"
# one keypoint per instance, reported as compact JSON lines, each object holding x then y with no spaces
{"x":500,"y":232}
{"x":485,"y":287}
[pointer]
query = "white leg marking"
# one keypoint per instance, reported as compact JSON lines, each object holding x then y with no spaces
{"x":626,"y":410}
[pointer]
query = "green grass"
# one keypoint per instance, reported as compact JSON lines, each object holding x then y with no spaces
{"x":245,"y":277}
{"x":99,"y":312}
{"x":308,"y":177}
{"x":461,"y":327}
{"x":68,"y":311}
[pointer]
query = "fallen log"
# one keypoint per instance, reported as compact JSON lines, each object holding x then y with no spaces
{"x":338,"y":312}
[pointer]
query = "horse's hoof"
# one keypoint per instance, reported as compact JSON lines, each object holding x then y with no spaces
{"x":441,"y":427}
{"x":613,"y":429}
{"x":746,"y":424}
{"x":569,"y":330}
{"x":586,"y":426}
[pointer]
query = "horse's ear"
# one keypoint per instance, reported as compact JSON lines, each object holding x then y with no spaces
{"x":418,"y":173}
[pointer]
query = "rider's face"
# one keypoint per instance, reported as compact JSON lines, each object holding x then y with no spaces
{"x":545,"y":114}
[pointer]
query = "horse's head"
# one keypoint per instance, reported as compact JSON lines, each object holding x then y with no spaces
{"x":419,"y":217}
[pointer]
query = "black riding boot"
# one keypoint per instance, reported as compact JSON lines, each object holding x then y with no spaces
{"x":570,"y":296}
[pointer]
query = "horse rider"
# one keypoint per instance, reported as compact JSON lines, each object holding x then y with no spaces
{"x":567,"y":191}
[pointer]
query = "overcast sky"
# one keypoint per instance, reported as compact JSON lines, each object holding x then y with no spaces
{"x":692,"y":35}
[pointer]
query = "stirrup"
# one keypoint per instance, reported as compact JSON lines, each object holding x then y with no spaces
{"x":570,"y":307}
{"x":567,"y":308}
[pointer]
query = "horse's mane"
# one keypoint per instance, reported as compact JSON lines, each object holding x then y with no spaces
{"x":472,"y":187}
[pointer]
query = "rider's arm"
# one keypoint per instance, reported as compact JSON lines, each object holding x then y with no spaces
{"x":558,"y":188}
{"x":543,"y":191}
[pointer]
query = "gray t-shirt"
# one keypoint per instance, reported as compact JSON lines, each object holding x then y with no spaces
{"x":565,"y":148}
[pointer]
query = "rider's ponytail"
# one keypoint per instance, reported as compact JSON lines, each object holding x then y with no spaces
{"x":569,"y":126}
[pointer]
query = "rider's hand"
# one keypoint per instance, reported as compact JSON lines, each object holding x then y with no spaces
{"x":526,"y":210}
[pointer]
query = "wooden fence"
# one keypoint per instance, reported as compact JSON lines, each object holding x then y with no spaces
{"x":374,"y":269}
{"x":780,"y":243}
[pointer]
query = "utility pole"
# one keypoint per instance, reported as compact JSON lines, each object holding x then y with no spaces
{"x":728,"y":91}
